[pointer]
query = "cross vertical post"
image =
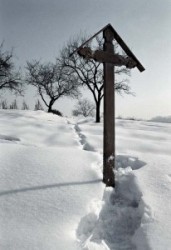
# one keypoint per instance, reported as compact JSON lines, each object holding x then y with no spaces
{"x":109,"y":116}
{"x":109,"y":59}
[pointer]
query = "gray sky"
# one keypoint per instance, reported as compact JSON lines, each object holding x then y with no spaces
{"x":38,"y":29}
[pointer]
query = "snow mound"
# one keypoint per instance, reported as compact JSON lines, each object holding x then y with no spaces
{"x":112,"y":222}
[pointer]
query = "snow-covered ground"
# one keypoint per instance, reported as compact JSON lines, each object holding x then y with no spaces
{"x":52,"y":196}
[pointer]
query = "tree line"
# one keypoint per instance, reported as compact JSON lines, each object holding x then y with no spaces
{"x":24,"y":106}
{"x":64,"y":78}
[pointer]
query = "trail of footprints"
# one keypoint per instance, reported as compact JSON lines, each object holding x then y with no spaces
{"x":119,"y":216}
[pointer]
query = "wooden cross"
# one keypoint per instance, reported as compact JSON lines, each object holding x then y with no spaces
{"x":109,"y":59}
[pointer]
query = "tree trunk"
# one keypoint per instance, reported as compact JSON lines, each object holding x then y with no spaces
{"x":98,"y":111}
{"x":49,"y":109}
{"x":50,"y":106}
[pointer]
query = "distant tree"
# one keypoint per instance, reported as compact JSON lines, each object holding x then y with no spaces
{"x":24,"y":106}
{"x":4,"y":104}
{"x":13,"y":105}
{"x":75,"y":112}
{"x":10,"y":79}
{"x":52,"y":82}
{"x":89,"y":72}
{"x":38,"y":106}
{"x":84,"y":107}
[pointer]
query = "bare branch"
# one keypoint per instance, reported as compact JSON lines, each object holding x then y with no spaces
{"x":88,"y":72}
{"x":10,"y":79}
{"x":52,"y":81}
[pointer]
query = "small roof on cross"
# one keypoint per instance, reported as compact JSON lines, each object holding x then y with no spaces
{"x":119,"y":41}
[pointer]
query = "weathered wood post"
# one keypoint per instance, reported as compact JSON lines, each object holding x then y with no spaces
{"x":109,"y":112}
{"x":109,"y":59}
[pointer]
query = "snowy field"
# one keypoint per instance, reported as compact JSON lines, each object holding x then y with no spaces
{"x":52,"y":196}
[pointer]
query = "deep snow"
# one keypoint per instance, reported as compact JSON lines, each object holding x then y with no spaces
{"x":51,"y":192}
{"x":144,"y":181}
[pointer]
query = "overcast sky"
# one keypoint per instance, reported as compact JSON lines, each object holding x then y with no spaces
{"x":38,"y":29}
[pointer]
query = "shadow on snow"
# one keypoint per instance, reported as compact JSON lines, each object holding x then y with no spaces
{"x":43,"y":187}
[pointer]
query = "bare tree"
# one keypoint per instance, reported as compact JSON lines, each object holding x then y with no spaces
{"x":84,"y":107}
{"x":52,"y":82}
{"x":4,"y":104}
{"x":24,"y":106}
{"x":14,"y":105}
{"x":89,"y":72}
{"x":38,"y":106}
{"x":10,"y":79}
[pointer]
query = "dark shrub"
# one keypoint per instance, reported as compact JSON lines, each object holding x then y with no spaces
{"x":56,"y":112}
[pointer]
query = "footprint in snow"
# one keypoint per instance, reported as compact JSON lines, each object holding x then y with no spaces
{"x":124,"y":161}
{"x":8,"y":138}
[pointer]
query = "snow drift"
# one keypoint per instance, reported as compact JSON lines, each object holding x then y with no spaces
{"x":51,"y":190}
